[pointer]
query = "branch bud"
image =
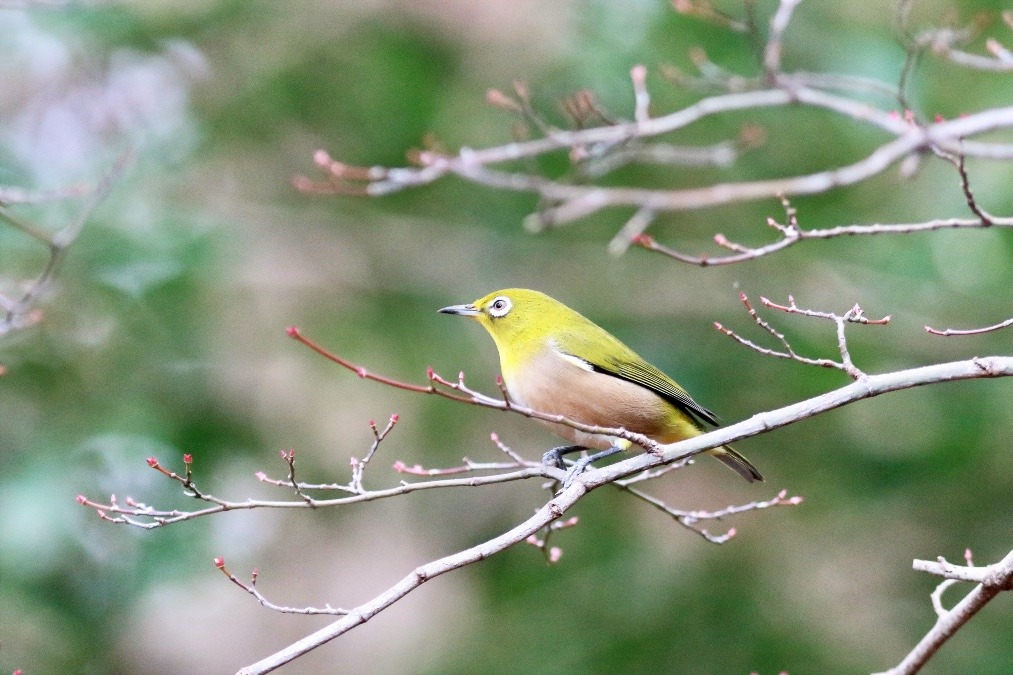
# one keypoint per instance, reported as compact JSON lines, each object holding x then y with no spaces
{"x":497,"y":98}
{"x":220,"y":562}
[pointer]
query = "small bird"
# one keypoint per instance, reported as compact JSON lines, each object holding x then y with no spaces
{"x":556,"y":361}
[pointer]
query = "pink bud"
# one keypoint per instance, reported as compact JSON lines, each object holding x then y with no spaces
{"x":261,"y":475}
{"x":394,"y":418}
{"x":220,"y":562}
{"x":430,"y":372}
{"x":555,"y":553}
{"x":152,"y":462}
{"x":81,"y":499}
{"x":188,"y":459}
{"x":399,"y":466}
{"x":292,"y":331}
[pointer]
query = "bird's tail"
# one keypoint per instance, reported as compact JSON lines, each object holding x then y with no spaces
{"x":737,"y":463}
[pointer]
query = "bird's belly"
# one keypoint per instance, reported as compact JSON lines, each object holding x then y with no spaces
{"x":598,"y":399}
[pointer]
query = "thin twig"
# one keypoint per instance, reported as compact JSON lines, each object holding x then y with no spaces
{"x":252,"y":589}
{"x":971,"y":331}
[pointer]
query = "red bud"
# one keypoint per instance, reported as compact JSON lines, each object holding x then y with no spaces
{"x":188,"y":459}
{"x":152,"y":462}
{"x":220,"y":562}
{"x":292,"y":331}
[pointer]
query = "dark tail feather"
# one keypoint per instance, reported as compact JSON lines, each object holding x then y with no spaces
{"x":737,"y":463}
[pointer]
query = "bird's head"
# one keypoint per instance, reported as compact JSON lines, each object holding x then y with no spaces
{"x":515,"y":316}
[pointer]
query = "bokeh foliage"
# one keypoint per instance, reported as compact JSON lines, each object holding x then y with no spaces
{"x":164,"y":335}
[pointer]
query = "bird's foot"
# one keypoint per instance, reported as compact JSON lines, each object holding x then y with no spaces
{"x":554,"y":457}
{"x":581,"y":464}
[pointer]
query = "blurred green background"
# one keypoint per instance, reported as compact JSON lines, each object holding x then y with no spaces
{"x":164,"y":335}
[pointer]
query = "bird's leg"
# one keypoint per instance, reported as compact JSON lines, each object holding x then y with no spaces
{"x":554,"y":457}
{"x":584,"y":462}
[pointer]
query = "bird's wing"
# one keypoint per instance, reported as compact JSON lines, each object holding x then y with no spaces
{"x":625,"y":364}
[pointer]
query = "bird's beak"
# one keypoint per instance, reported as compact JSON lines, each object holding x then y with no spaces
{"x":463,"y":310}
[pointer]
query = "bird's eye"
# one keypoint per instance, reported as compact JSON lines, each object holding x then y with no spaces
{"x":499,"y":306}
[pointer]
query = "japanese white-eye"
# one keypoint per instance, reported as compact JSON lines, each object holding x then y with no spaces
{"x":556,"y":361}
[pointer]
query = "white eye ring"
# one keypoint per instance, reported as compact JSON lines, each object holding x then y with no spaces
{"x":500,"y":306}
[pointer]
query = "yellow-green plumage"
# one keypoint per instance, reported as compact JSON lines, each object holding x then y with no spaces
{"x":556,"y":361}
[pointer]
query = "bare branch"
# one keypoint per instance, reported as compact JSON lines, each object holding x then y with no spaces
{"x":991,"y":580}
{"x":16,"y":313}
{"x":872,"y":385}
{"x":778,"y":24}
{"x":641,"y":97}
{"x":971,"y":331}
{"x":689,"y":519}
{"x":792,"y":234}
{"x":853,"y":315}
{"x":576,"y":201}
{"x":138,"y":514}
{"x":251,"y":588}
{"x":471,"y":396}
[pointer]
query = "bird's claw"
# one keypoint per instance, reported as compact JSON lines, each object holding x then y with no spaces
{"x":578,"y":468}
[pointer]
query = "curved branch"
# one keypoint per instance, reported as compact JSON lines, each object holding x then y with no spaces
{"x":867,"y":387}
